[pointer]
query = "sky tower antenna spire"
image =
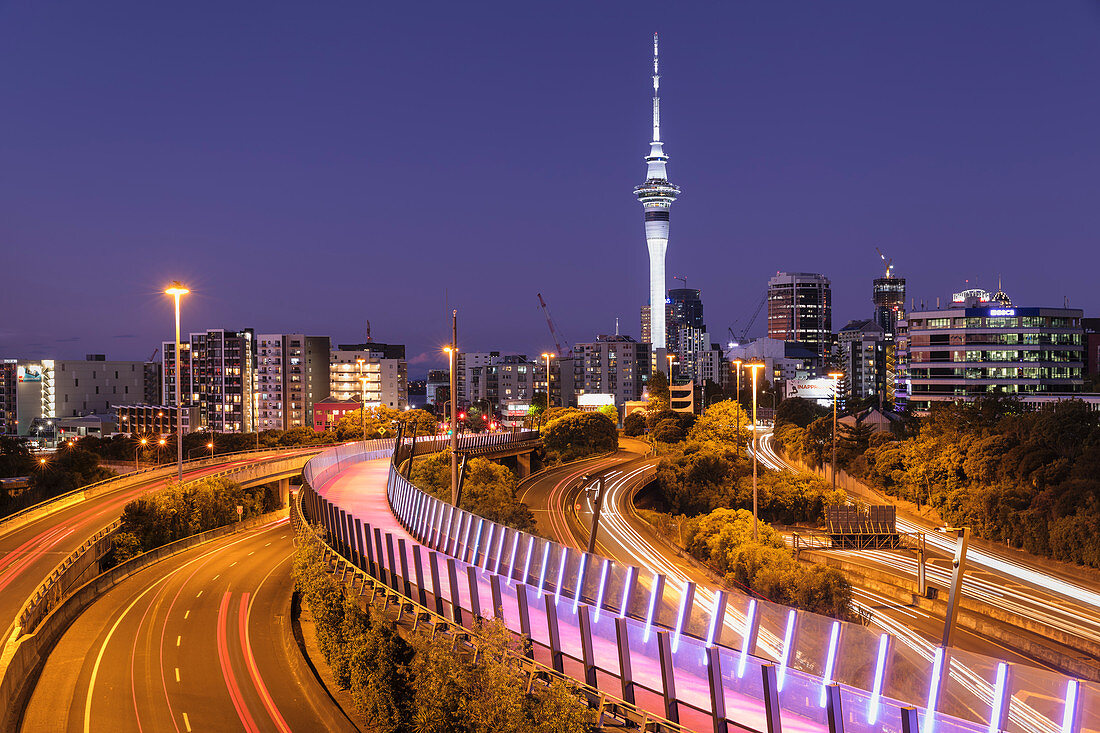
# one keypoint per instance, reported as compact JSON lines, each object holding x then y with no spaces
{"x":656,"y":95}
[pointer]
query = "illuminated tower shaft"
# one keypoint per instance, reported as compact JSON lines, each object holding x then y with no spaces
{"x":656,"y":196}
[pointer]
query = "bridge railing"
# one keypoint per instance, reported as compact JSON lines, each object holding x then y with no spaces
{"x":486,"y":566}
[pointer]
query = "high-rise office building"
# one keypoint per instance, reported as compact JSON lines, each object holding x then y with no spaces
{"x":292,"y":372}
{"x":616,"y":365}
{"x":216,"y":369}
{"x":984,"y":344}
{"x":387,"y":379}
{"x":800,"y":309}
{"x":656,"y":196}
{"x":888,"y":295}
{"x":862,"y":347}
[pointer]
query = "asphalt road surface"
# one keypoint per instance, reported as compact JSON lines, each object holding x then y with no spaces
{"x":199,"y":641}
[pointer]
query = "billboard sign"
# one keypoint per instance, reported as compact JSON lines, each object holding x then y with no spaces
{"x":30,"y":373}
{"x":817,"y":390}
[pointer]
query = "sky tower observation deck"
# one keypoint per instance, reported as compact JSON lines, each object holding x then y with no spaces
{"x":656,"y":196}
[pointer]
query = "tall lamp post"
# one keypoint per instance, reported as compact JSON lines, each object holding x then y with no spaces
{"x":452,"y":351}
{"x":144,"y":442}
{"x":755,"y":516}
{"x":177,"y":290}
{"x":548,"y":356}
{"x":737,"y":364}
{"x":363,"y":406}
{"x":671,"y":358}
{"x":835,"y":376}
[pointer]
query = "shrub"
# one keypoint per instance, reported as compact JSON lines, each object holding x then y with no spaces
{"x":574,"y":436}
{"x":634,"y":424}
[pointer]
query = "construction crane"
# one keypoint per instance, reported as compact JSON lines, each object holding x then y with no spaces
{"x":741,"y":338}
{"x":888,"y":262}
{"x":154,"y":356}
{"x":553,"y":331}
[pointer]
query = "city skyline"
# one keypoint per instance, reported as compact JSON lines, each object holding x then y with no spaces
{"x":274,"y":159}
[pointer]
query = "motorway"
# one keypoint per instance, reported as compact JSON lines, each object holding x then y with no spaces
{"x":993,"y":578}
{"x":199,"y":641}
{"x":30,"y":551}
{"x":561,"y":506}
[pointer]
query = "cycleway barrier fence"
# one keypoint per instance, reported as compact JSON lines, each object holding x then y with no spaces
{"x":660,"y":632}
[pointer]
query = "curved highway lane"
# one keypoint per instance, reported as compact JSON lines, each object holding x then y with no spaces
{"x":29,"y":552}
{"x":199,"y":641}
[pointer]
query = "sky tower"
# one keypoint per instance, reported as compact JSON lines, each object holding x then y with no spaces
{"x":656,"y":195}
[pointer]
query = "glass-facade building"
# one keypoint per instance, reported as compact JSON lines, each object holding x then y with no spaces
{"x":986,"y":347}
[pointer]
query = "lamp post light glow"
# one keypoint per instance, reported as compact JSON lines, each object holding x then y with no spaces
{"x":210,"y":445}
{"x":452,"y":354}
{"x":548,"y":357}
{"x":835,"y":376}
{"x":737,"y":365}
{"x":144,"y":442}
{"x":177,"y":291}
{"x":755,"y":516}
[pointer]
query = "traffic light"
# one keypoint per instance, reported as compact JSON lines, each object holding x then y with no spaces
{"x":462,"y":416}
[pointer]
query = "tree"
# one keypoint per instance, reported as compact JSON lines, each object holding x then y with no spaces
{"x":798,"y":411}
{"x":668,"y":431}
{"x":611,"y":412}
{"x":634,"y":424}
{"x":578,"y":435}
{"x":15,"y":459}
{"x":720,"y":422}
{"x":659,"y":394}
{"x":69,"y":469}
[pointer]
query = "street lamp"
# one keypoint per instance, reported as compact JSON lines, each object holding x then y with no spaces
{"x":737,"y":363}
{"x":671,"y":358}
{"x":177,"y":290}
{"x":548,"y":357}
{"x":144,"y":442}
{"x":755,"y":517}
{"x":161,"y":443}
{"x":210,"y":445}
{"x":363,"y":406}
{"x":835,"y":376}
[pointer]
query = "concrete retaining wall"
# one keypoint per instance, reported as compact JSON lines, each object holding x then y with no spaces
{"x":24,"y":656}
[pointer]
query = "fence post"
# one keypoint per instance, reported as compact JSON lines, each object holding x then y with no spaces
{"x":668,"y":679}
{"x":418,"y":568}
{"x":909,"y":721}
{"x":475,"y":595}
{"x":380,"y":556}
{"x":359,"y":544}
{"x":626,"y":673}
{"x":525,"y":619}
{"x":456,"y":599}
{"x":588,"y":658}
{"x":557,"y":659}
{"x":368,"y":543}
{"x":404,"y":563}
{"x":498,"y":600}
{"x":834,"y":708}
{"x":717,"y":690}
{"x":433,"y":568}
{"x":771,"y":699}
{"x":394,"y":583}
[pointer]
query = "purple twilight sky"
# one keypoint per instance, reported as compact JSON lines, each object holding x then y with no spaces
{"x":310,"y":166}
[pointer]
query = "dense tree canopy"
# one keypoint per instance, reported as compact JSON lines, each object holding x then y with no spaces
{"x":489,"y":489}
{"x":578,"y":434}
{"x":797,"y":411}
{"x":1031,"y":479}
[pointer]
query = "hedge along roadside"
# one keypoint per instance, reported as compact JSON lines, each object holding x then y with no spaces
{"x":15,"y":521}
{"x":22,"y":658}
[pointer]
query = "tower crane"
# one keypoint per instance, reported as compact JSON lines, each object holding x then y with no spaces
{"x":553,"y":331}
{"x":888,"y":262}
{"x":740,"y":338}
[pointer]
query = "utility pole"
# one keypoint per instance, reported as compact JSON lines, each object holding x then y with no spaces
{"x":596,"y":514}
{"x":958,"y":568}
{"x":454,"y":408}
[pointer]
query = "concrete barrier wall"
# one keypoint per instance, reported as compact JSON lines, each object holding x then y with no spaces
{"x":23,"y":657}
